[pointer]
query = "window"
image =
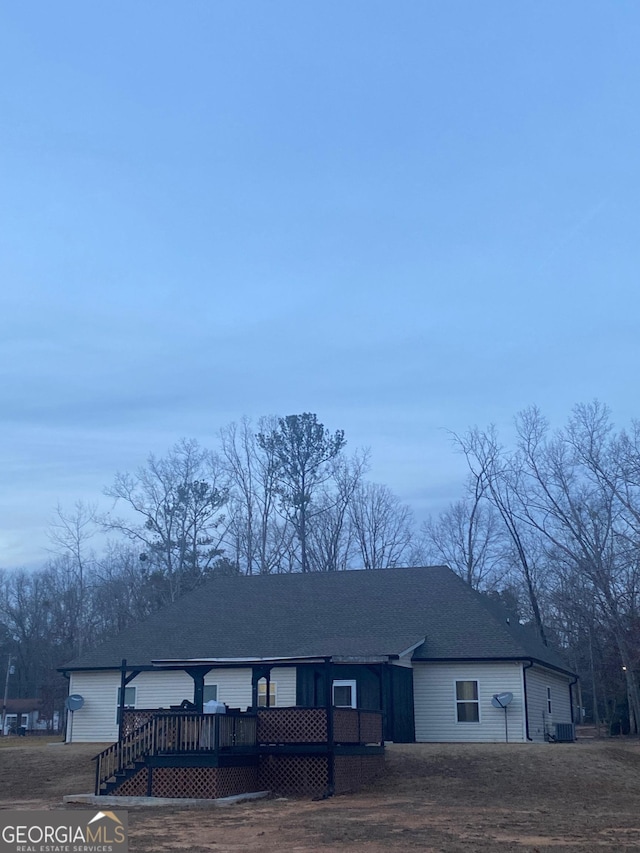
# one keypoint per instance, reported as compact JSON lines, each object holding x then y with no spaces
{"x":549,"y":701}
{"x":344,"y":694}
{"x":129,"y":699}
{"x":210,"y":693}
{"x":262,"y":693}
{"x":467,"y":703}
{"x":10,"y":724}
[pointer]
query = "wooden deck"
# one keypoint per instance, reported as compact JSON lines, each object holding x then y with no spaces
{"x":283,"y":744}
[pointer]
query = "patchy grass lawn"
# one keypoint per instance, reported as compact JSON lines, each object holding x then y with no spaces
{"x":37,"y":741}
{"x":435,"y":798}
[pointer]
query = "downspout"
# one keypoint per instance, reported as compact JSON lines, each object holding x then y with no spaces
{"x":387,"y":725}
{"x":525,"y":667}
{"x":575,"y":681}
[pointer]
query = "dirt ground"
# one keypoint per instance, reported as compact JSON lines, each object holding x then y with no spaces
{"x":437,"y":798}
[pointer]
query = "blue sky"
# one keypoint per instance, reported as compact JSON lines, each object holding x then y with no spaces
{"x":406,"y":217}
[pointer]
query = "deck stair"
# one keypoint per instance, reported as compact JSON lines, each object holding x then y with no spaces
{"x":172,"y":734}
{"x":124,"y":759}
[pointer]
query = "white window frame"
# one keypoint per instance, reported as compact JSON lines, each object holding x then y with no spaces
{"x":458,"y":702}
{"x":209,"y":687}
{"x":9,"y":720}
{"x":549,"y":703}
{"x":127,"y":706}
{"x":345,"y":682}
{"x":262,"y":693}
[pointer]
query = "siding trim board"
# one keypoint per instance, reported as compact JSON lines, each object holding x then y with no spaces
{"x":535,"y":661}
{"x":525,"y":666}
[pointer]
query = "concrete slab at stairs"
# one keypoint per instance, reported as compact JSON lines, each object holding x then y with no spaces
{"x":123,"y":802}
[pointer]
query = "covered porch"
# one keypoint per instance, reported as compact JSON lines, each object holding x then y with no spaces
{"x":185,"y":752}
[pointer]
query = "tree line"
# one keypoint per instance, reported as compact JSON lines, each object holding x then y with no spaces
{"x":548,"y":526}
{"x":281,"y":495}
{"x":551,"y":526}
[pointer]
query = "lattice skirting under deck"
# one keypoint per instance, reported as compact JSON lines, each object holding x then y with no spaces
{"x":294,"y":775}
{"x":284,"y":775}
{"x":207,"y":783}
{"x":135,"y":786}
{"x":204,"y":782}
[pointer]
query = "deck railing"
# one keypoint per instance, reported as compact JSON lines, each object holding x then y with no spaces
{"x":190,"y":732}
{"x":309,"y":725}
{"x":353,"y":725}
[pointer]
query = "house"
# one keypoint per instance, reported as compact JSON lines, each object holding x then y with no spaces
{"x":417,"y":645}
{"x":26,"y":716}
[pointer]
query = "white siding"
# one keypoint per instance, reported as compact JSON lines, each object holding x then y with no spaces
{"x":96,"y":720}
{"x":162,"y":689}
{"x":234,"y":685}
{"x":285,"y":679}
{"x":540,"y":722}
{"x":435,"y":701}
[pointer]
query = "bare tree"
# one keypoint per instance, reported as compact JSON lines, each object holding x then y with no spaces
{"x":383,"y":526}
{"x":578,"y":509}
{"x":469,"y":538}
{"x":258,"y":534}
{"x":332,"y":542}
{"x":70,"y":533}
{"x":179,"y":501}
{"x":35,"y":617}
{"x":498,"y":475}
{"x":126,"y":589}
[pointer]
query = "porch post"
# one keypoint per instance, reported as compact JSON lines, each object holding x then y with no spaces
{"x":255,"y":678}
{"x":258,"y":672}
{"x":328,"y":682}
{"x":124,"y":680}
{"x":198,"y":673}
{"x":387,"y":716}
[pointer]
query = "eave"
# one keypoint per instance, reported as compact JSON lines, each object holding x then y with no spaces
{"x":515,"y":659}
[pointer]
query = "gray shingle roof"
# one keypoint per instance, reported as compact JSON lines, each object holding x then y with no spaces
{"x":340,"y":614}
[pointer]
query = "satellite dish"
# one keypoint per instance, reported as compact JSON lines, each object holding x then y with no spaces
{"x":75,"y":702}
{"x":501,"y":700}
